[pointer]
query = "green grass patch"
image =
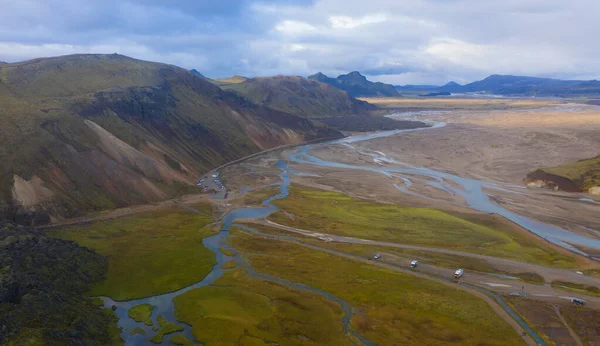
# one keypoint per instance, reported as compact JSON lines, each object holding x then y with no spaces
{"x":533,"y":278}
{"x":229,"y":265}
{"x":339,"y":214}
{"x":181,"y":340}
{"x":227,"y":252}
{"x":165,"y":329}
{"x":431,"y":258}
{"x":137,"y":330}
{"x":579,"y":288}
{"x":258,"y":196}
{"x":394,"y":308}
{"x":595,"y":273}
{"x":585,"y":173}
{"x":149,"y":253}
{"x":240,"y":310}
{"x":141,"y":313}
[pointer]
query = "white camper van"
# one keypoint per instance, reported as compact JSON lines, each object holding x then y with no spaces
{"x":458,"y":273}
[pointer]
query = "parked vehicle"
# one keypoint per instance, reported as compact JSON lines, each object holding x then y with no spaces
{"x":458,"y":273}
{"x":578,"y":301}
{"x":414,"y":264}
{"x":514,"y":294}
{"x":377,"y":256}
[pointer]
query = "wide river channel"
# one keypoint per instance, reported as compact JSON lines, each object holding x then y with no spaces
{"x":472,"y":191}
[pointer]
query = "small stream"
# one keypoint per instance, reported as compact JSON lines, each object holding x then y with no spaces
{"x":163,"y":304}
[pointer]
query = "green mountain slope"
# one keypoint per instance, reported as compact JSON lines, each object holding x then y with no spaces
{"x":357,"y":85}
{"x":90,"y":132}
{"x":300,"y":96}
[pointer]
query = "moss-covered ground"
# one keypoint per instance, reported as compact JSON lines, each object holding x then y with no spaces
{"x":258,"y":196}
{"x":240,"y":310}
{"x":339,"y":214}
{"x":149,"y":253}
{"x":165,"y":329}
{"x":141,"y":313}
{"x":180,"y":339}
{"x":227,"y":252}
{"x":431,"y":258}
{"x":393,"y":308}
{"x":137,"y":330}
{"x":229,"y":265}
{"x":579,"y":288}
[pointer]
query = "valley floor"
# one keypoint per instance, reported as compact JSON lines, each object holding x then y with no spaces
{"x":297,"y":265}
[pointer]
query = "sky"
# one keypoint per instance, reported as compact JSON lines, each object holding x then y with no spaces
{"x":393,"y":41}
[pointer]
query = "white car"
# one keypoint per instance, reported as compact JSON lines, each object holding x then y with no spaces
{"x":414,"y":264}
{"x":458,"y":273}
{"x":377,"y":256}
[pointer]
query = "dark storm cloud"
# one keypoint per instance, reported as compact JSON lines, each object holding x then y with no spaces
{"x":410,"y":41}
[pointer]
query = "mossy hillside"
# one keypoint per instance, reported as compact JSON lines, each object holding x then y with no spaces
{"x":148,"y":254}
{"x":300,"y":96}
{"x":142,"y":313}
{"x":584,"y":174}
{"x":166,"y":328}
{"x":395,"y":308}
{"x":339,"y":214}
{"x":179,"y":121}
{"x":238,"y":309}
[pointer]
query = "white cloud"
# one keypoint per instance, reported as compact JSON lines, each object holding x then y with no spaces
{"x":399,"y":41}
{"x":292,"y":27}
{"x":345,"y":22}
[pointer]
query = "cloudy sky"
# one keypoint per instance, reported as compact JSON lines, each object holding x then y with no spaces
{"x":395,"y":41}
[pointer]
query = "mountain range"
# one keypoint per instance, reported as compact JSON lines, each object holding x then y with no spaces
{"x":299,"y":96}
{"x":515,"y":86}
{"x":89,"y":132}
{"x":357,"y":85}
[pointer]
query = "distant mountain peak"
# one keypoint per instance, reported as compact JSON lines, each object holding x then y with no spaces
{"x":452,"y":84}
{"x":356,"y":84}
{"x":194,"y":71}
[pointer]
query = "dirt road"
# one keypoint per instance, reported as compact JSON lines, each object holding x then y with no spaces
{"x":549,"y":274}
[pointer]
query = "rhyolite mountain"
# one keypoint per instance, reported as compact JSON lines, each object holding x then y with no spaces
{"x":90,"y":132}
{"x":300,"y":96}
{"x":357,"y":85}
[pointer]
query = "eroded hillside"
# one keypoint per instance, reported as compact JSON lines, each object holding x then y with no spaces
{"x":91,"y":132}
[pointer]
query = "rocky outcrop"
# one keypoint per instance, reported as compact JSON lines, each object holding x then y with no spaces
{"x":541,"y":178}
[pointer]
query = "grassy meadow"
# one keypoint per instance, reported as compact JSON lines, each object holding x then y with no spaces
{"x":393,"y":308}
{"x":150,"y":253}
{"x":578,"y":288}
{"x":240,"y":310}
{"x":339,"y":214}
{"x":430,"y":258}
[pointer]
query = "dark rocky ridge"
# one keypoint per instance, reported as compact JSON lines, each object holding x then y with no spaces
{"x":357,"y":85}
{"x":43,"y":282}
